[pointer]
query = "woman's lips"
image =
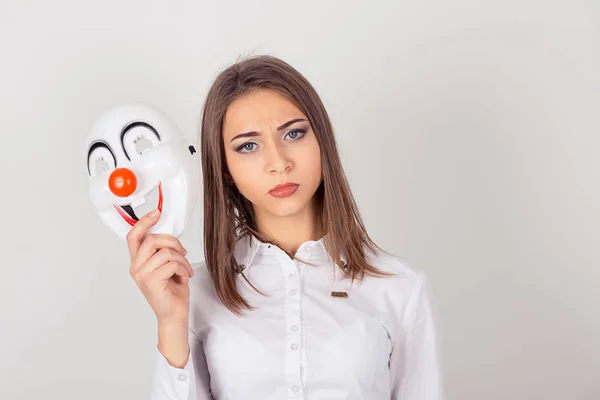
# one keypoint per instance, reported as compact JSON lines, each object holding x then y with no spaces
{"x":284,"y":190}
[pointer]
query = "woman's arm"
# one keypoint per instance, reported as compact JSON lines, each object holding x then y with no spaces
{"x":415,"y":362}
{"x":186,"y":376}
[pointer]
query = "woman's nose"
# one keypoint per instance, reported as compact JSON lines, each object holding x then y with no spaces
{"x":122,"y":182}
{"x":278,"y":161}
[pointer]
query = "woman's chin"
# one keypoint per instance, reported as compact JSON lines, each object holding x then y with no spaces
{"x":287,"y":207}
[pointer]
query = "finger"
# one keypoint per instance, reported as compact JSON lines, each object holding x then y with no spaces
{"x":154,"y":242}
{"x":137,"y":233}
{"x":170,"y":269}
{"x":163,"y":256}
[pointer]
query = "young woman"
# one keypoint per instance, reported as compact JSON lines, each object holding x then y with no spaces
{"x":294,"y":300}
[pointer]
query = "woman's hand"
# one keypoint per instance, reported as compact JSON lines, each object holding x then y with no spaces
{"x":161,"y":271}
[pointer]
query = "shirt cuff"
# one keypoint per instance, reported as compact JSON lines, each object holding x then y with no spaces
{"x":171,"y":383}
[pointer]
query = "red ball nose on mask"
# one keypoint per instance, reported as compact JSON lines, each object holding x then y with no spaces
{"x":122,"y":182}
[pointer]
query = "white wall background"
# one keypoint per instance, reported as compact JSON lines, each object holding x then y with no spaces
{"x":470,"y":131}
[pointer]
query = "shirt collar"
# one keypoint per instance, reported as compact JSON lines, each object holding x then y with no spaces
{"x":248,"y":246}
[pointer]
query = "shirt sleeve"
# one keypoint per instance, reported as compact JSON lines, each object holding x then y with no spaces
{"x":192,"y":382}
{"x":415,"y":362}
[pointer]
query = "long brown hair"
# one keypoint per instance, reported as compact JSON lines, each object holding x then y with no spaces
{"x":229,"y":216}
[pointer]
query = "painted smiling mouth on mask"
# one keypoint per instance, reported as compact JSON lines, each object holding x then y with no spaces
{"x":141,"y":206}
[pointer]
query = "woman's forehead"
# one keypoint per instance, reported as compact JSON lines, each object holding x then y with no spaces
{"x":257,"y":110}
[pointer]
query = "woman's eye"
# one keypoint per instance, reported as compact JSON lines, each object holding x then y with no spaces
{"x":296,"y":133}
{"x":246,"y":147}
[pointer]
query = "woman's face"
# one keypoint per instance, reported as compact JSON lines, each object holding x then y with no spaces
{"x":268,"y":142}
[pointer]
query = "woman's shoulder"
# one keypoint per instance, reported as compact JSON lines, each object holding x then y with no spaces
{"x":405,"y":277}
{"x":197,"y":265}
{"x":204,"y":301}
{"x":201,"y":273}
{"x":406,"y":290}
{"x":201,"y":284}
{"x":392,"y":263}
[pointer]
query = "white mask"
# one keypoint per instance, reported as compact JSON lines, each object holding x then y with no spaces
{"x":138,"y":160}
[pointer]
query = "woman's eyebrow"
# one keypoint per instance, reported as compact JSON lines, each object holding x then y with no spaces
{"x":290,"y":123}
{"x":254,"y":133}
{"x":243,"y":135}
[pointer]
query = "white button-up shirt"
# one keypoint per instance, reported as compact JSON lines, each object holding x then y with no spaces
{"x":302,"y":342}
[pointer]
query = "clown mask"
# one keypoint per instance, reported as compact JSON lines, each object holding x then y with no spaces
{"x":139,"y":160}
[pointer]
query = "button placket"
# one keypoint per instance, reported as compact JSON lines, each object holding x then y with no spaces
{"x":293,"y":329}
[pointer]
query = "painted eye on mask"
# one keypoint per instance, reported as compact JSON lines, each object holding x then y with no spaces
{"x":138,"y":138}
{"x":100,"y":159}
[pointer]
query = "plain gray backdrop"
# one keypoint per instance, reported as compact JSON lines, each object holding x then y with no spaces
{"x":470,"y":132}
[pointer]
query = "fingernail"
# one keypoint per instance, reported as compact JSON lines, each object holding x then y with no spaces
{"x":154,"y":213}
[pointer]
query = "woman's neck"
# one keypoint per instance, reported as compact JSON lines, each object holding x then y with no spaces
{"x":291,"y":231}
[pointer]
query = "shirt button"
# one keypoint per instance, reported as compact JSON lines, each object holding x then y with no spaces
{"x":182,"y":378}
{"x":292,"y":292}
{"x":291,"y":275}
{"x":294,"y":346}
{"x":295,"y":389}
{"x":294,"y":328}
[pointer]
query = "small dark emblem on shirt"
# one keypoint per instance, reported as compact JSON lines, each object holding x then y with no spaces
{"x":339,"y":294}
